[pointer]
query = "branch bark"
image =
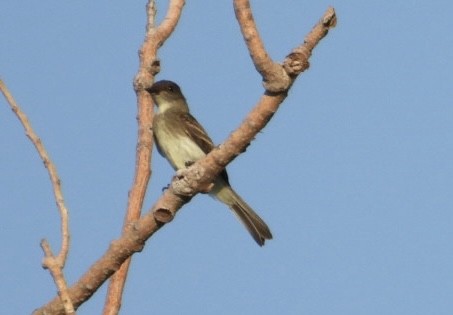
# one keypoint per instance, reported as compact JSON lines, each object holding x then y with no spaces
{"x":149,"y":67}
{"x":197,"y":177}
{"x":274,"y":78}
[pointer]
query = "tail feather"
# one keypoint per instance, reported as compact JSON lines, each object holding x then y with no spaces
{"x":253,"y":223}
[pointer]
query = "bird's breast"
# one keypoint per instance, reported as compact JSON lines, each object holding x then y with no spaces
{"x":178,"y":148}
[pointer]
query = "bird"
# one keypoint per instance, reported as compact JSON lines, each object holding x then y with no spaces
{"x":181,"y":139}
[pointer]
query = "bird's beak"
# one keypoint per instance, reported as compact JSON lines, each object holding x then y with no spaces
{"x":153,"y":90}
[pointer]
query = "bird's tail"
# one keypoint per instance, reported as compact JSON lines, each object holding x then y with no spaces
{"x":254,"y":224}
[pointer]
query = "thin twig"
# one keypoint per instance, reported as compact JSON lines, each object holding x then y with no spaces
{"x":149,"y":66}
{"x":190,"y":181}
{"x":55,"y":264}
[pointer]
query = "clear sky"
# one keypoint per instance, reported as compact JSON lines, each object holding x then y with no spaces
{"x":353,"y":175}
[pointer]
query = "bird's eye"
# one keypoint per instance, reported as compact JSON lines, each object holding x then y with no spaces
{"x":170,"y":89}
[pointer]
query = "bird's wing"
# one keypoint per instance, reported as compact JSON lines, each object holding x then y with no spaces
{"x":197,"y":133}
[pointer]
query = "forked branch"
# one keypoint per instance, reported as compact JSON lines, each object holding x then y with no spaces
{"x":149,"y":67}
{"x":55,"y":264}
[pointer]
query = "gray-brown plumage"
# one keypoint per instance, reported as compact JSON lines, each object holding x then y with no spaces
{"x":182,"y":140}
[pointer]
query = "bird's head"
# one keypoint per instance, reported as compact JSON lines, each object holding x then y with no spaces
{"x":167,"y":95}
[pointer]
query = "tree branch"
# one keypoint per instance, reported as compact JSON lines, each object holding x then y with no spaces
{"x":274,"y":79}
{"x":192,"y":180}
{"x":294,"y":64}
{"x":55,"y":264}
{"x":278,"y":78}
{"x":149,"y":66}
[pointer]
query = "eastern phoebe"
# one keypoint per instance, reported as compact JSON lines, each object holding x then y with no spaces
{"x":182,"y":141}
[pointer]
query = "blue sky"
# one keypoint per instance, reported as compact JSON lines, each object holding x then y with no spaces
{"x":353,"y":175}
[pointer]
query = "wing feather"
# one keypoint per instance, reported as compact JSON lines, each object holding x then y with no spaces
{"x":196,"y":132}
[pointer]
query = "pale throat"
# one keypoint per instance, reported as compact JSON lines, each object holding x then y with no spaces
{"x":164,"y":106}
{"x":179,"y":104}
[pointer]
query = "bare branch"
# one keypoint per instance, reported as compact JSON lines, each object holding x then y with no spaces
{"x":278,"y":78}
{"x":55,"y":264}
{"x":297,"y":61}
{"x":57,"y":273}
{"x":274,"y":77}
{"x":186,"y":184}
{"x":149,"y":66}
